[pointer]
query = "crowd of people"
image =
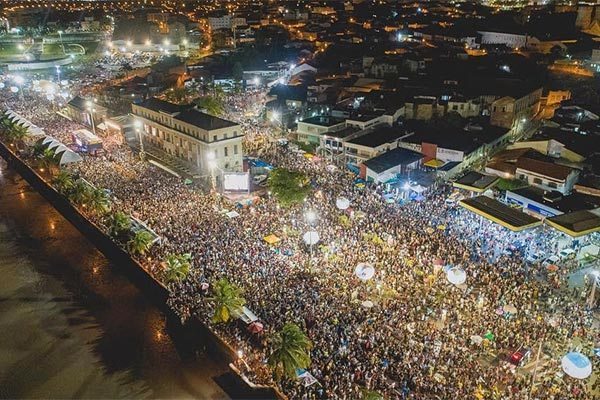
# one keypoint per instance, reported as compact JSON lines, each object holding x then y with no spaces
{"x":407,"y":333}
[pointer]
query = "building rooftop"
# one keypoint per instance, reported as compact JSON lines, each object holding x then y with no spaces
{"x":500,"y":213}
{"x":565,"y":204}
{"x":476,"y":182}
{"x":576,"y":224}
{"x":323,"y":120}
{"x":203,"y":121}
{"x":545,"y":168}
{"x":166,"y":107}
{"x":392,"y":158}
{"x":379,"y":136}
{"x":458,"y":139}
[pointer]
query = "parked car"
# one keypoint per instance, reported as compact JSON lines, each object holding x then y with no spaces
{"x":258,"y":179}
{"x":567,"y":253}
{"x":535,"y":257}
{"x":551,"y":260}
{"x":520,"y":356}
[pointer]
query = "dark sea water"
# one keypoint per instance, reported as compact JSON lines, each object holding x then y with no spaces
{"x":71,"y":326}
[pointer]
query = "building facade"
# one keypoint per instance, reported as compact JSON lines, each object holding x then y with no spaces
{"x":199,"y":139}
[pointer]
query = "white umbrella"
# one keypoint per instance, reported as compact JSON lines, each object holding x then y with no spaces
{"x":311,"y":238}
{"x":456,"y":276}
{"x":576,"y":365}
{"x":342,"y":203}
{"x":476,"y":339}
{"x":364,"y":271}
{"x":367,"y":304}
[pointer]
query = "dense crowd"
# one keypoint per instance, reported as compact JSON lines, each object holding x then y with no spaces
{"x":416,"y":339}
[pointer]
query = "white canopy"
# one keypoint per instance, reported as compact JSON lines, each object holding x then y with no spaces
{"x":456,"y":276}
{"x":576,"y":365}
{"x":32,"y":130}
{"x":342,"y":203}
{"x":311,"y":237}
{"x":69,"y":156}
{"x":364,"y":271}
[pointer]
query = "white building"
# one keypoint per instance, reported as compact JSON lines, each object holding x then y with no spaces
{"x":546,"y":175}
{"x":512,"y":40}
{"x":191,"y":135}
{"x":224,"y":21}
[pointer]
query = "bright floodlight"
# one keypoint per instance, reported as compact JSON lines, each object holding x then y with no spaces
{"x":311,"y":216}
{"x":274,"y":115}
{"x":137,"y":123}
{"x":406,"y":186}
{"x":167,"y":42}
{"x":19,"y":80}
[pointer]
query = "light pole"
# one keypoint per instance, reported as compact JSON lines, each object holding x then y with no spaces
{"x":212,"y":165}
{"x":138,"y":130}
{"x":592,"y":297}
{"x":91,"y":109}
{"x":19,"y":80}
{"x":311,"y":218}
{"x":62,"y":46}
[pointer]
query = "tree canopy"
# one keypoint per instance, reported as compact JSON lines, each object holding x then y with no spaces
{"x":289,"y":187}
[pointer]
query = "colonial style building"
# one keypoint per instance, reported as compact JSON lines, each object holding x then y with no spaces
{"x":200,"y":139}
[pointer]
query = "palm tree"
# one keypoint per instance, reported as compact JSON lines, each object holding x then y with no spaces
{"x":140,"y":243}
{"x":48,"y":160}
{"x":63,"y":182}
{"x":177,"y":267}
{"x":227,"y":299}
{"x":80,"y":193}
{"x":99,"y":201}
{"x":371,"y":395}
{"x":211,"y":105}
{"x":290,"y":351}
{"x":16,"y":133}
{"x":120,"y":224}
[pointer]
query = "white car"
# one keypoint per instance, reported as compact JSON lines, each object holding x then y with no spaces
{"x":258,"y":179}
{"x":536,"y":257}
{"x":551,"y":260}
{"x":566,"y":253}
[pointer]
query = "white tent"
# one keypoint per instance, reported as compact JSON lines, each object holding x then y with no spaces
{"x":364,"y":271}
{"x":311,"y":238}
{"x":68,"y":157}
{"x":576,"y":365}
{"x":342,"y":203}
{"x":456,"y":276}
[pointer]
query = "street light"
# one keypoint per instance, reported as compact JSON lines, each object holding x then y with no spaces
{"x":138,"y":128}
{"x":313,"y":236}
{"x":213,"y":165}
{"x":19,"y":80}
{"x":595,"y":278}
{"x":91,"y":109}
{"x":62,"y":46}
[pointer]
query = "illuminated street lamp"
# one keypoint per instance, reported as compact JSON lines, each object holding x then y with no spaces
{"x":19,"y":80}
{"x":138,"y":130}
{"x":62,"y":46}
{"x":592,"y":297}
{"x":91,"y":110}
{"x":311,"y":237}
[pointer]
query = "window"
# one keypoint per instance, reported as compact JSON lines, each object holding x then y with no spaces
{"x":214,"y":138}
{"x":225,"y":151}
{"x":552,"y":185}
{"x":537,"y":181}
{"x":235,"y":149}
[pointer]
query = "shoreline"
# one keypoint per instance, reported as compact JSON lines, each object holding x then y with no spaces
{"x":144,"y":281}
